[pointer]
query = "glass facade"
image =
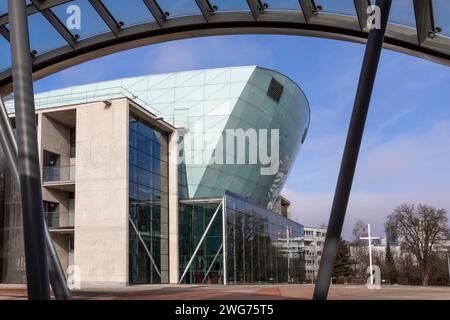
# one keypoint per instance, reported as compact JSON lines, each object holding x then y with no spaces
{"x":148,"y":202}
{"x":193,"y":221}
{"x":261,"y":246}
{"x":207,"y":103}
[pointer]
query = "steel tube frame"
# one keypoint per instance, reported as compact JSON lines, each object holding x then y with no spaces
{"x":351,"y":151}
{"x":28,"y":155}
{"x":9,"y":146}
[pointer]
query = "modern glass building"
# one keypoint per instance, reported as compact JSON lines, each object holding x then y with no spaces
{"x":173,"y":178}
{"x":207,"y":103}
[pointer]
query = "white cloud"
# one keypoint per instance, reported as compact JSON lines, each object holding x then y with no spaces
{"x":405,"y":169}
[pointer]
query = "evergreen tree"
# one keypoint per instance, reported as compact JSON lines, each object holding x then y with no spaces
{"x":343,"y":263}
{"x":390,"y":269}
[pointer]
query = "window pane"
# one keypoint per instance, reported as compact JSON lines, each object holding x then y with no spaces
{"x":136,"y":11}
{"x":3,"y":6}
{"x":341,"y":6}
{"x":179,"y":7}
{"x":442,"y":15}
{"x":91,"y":23}
{"x":230,"y":5}
{"x":283,"y":5}
{"x":43,"y":37}
{"x":5,"y":59}
{"x":402,"y":12}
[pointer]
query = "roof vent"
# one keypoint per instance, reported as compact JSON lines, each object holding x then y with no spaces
{"x":275,"y":90}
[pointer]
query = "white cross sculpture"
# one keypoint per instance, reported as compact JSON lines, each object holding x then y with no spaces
{"x":370,"y":251}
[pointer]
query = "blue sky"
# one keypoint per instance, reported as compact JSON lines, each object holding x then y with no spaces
{"x":406,"y":146}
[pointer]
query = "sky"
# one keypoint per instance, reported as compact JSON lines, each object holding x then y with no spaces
{"x":405,"y":152}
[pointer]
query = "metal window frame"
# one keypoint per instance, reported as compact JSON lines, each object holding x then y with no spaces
{"x":106,"y":16}
{"x":149,"y":254}
{"x":156,"y":11}
{"x":194,"y":254}
{"x":423,"y":12}
{"x":205,"y":8}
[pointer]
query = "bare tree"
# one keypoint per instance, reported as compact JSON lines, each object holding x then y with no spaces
{"x":359,"y":230}
{"x":417,"y":229}
{"x":360,"y":252}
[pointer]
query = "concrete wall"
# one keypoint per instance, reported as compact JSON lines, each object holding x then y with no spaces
{"x":174,"y":265}
{"x":101,"y":194}
{"x":61,"y":242}
{"x":55,"y":137}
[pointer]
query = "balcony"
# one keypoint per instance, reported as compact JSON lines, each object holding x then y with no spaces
{"x":60,"y":221}
{"x":62,"y":178}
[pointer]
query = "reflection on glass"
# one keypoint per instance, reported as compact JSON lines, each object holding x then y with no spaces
{"x":262,"y":246}
{"x":148,"y":204}
{"x":91,"y":23}
{"x":194,"y":219}
{"x":135,"y":13}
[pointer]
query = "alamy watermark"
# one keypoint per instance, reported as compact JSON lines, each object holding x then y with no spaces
{"x":374,"y":18}
{"x":73,"y":21}
{"x":374,"y":279}
{"x":73,"y":277}
{"x":232,"y":146}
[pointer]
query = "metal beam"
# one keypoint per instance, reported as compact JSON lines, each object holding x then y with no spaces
{"x":205,"y":8}
{"x":361,"y":12}
{"x":5,"y":33}
{"x":225,"y":239}
{"x":307,"y":9}
{"x":29,"y":170}
{"x":351,"y":151}
{"x":424,"y":19}
{"x":200,"y":242}
{"x":256,"y":7}
{"x":56,"y":23}
{"x":106,"y":16}
{"x":156,"y":11}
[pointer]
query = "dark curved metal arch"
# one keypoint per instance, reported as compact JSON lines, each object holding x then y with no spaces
{"x":286,"y":23}
{"x":209,"y":23}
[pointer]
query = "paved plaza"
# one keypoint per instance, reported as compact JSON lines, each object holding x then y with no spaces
{"x":244,"y":292}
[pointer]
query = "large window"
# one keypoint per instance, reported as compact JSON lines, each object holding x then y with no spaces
{"x":261,"y":246}
{"x":148,"y":199}
{"x":207,"y":264}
